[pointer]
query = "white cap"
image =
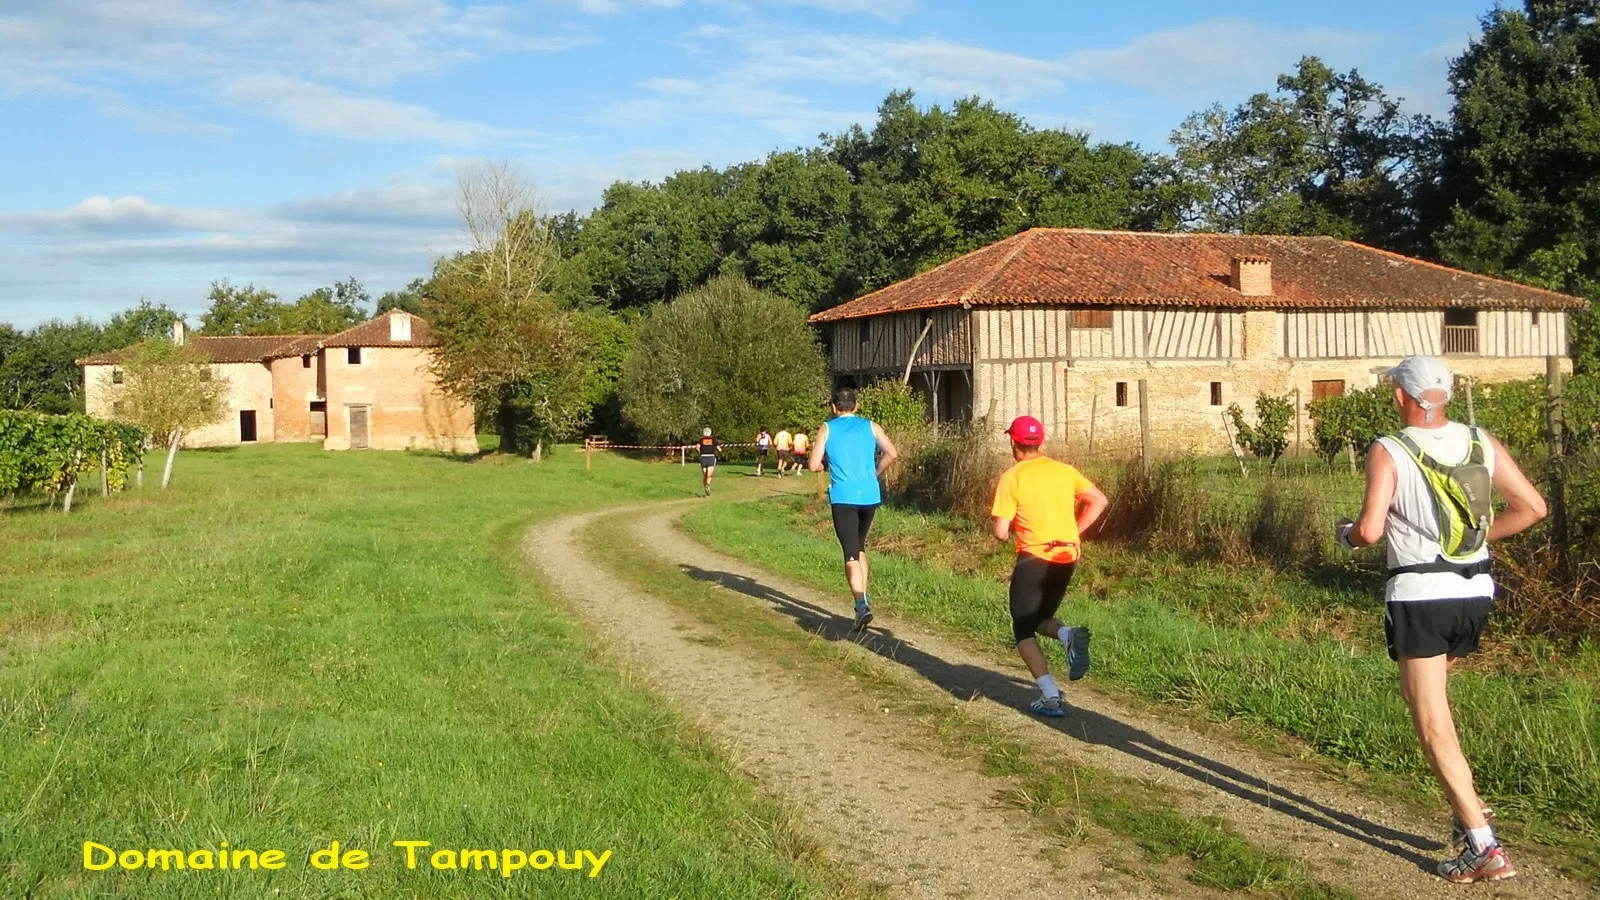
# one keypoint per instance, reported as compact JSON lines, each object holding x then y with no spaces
{"x":706,"y":432}
{"x":1416,"y":375}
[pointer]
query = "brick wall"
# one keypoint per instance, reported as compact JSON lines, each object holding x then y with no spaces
{"x":294,"y":386}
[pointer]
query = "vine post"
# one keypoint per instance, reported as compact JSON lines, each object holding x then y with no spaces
{"x":1555,"y":440}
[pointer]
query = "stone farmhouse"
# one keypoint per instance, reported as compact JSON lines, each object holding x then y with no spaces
{"x":1064,"y":323}
{"x":368,"y":387}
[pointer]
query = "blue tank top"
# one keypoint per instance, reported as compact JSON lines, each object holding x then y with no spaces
{"x":852,"y":454}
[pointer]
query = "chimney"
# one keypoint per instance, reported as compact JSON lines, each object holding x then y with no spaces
{"x":399,"y":325}
{"x":1252,"y":276}
{"x":178,"y":332}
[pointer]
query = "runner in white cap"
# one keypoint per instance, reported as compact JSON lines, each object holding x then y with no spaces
{"x":1428,"y":494}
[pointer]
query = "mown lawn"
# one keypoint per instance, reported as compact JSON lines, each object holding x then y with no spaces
{"x":1276,"y":654}
{"x":293,"y":647}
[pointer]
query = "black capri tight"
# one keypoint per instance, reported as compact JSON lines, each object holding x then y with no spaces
{"x":1037,"y":586}
{"x":850,"y":523}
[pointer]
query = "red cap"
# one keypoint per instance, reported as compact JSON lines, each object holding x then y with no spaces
{"x":1026,"y":431}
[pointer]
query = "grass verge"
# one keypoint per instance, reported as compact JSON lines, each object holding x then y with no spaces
{"x":1065,"y":795}
{"x":1534,"y":739}
{"x":293,"y":647}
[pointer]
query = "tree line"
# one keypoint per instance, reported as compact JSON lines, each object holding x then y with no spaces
{"x":1507,"y":184}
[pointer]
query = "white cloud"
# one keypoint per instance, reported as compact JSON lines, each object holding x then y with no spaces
{"x":201,"y":48}
{"x":612,"y":7}
{"x":321,"y":109}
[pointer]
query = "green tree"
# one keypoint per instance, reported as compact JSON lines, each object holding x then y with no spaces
{"x":168,"y":390}
{"x":40,"y":371}
{"x":894,"y":405}
{"x":235,"y":310}
{"x":1268,"y":438}
{"x":326,"y":310}
{"x":504,"y":343}
{"x":1330,"y":153}
{"x":412,"y":298}
{"x":140,"y":323}
{"x":726,"y":356}
{"x":1519,"y":178}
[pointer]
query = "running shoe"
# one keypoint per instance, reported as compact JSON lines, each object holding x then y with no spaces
{"x":863,"y":614}
{"x":1049,"y":707}
{"x":1077,"y":644}
{"x":1491,"y":865}
{"x":1458,"y":831}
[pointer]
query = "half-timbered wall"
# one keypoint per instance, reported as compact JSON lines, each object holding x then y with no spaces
{"x":882,"y":343}
{"x":1344,"y":334}
{"x":1048,"y":333}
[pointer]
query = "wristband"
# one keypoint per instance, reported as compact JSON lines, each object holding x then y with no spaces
{"x":1344,"y":535}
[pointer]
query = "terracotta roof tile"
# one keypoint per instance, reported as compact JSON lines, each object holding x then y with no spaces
{"x":232,"y":349}
{"x":375,"y":333}
{"x":1124,"y":268}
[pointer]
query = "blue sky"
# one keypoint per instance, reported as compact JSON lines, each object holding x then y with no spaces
{"x":155,"y":145}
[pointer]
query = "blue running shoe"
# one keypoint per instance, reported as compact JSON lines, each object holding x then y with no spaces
{"x":863,"y":613}
{"x":1049,"y":707}
{"x":1077,"y":646}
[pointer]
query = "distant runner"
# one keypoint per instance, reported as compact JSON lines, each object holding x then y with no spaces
{"x":763,"y":444}
{"x":1429,"y":494}
{"x":802,"y":444}
{"x":785,"y":448}
{"x":709,"y":448}
{"x":1047,"y":505}
{"x":857,"y":452}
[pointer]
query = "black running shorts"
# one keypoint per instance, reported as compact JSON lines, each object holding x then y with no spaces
{"x":707,"y":462}
{"x":1418,"y":629}
{"x":1037,"y":586}
{"x":851,"y":523}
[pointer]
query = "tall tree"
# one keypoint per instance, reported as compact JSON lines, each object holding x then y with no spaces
{"x":1520,"y":175}
{"x":238,"y":310}
{"x":1329,"y":153}
{"x":725,"y":356}
{"x":504,"y":343}
{"x":327,"y":310}
{"x":411,"y":298}
{"x":143,"y":322}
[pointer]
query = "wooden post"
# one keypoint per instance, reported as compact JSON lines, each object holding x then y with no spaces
{"x":72,"y":483}
{"x":588,"y":452}
{"x":1555,"y":438}
{"x":138,"y":476}
{"x":682,"y":450}
{"x":1298,"y":412}
{"x":912,"y":356}
{"x":1350,"y":452}
{"x":1094,"y":413}
{"x":1472,"y":412}
{"x":1144,"y":423}
{"x":1237,"y":453}
{"x":105,"y":479}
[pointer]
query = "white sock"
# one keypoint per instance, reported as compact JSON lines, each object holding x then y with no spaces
{"x":1065,"y":637}
{"x":1480,"y":839}
{"x":1047,"y":683}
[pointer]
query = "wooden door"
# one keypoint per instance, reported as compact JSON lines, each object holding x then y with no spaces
{"x":247,"y":425}
{"x":359,"y":427}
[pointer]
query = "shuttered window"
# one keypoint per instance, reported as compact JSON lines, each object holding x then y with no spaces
{"x":1091,"y":318}
{"x":1321,"y":390}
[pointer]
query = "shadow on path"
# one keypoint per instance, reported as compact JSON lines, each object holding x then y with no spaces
{"x":967,"y":682}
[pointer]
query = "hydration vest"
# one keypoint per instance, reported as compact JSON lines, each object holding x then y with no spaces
{"x":1462,"y":501}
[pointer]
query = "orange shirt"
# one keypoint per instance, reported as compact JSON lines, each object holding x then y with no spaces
{"x":1040,"y":497}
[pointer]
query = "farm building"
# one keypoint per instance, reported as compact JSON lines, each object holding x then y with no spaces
{"x":365,"y":387}
{"x":1063,"y":324}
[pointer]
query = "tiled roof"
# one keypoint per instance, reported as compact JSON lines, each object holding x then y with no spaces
{"x":376,"y":334}
{"x":1124,"y":268}
{"x":243,"y":348}
{"x":260,"y":348}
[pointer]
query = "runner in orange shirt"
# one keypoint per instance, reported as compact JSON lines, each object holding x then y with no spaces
{"x":1046,"y":504}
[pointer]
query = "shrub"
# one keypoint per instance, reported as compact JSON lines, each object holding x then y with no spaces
{"x":893,"y":405}
{"x":1269,"y":437}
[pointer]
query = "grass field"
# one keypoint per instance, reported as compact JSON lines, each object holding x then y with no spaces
{"x":1272,"y":653}
{"x":293,"y":647}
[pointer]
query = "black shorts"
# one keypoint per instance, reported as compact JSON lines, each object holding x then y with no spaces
{"x":1037,"y":586}
{"x":851,"y":523}
{"x":1418,"y":629}
{"x":761,"y":453}
{"x":707,"y":462}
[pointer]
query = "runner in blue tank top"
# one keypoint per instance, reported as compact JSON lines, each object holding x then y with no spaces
{"x":851,"y":446}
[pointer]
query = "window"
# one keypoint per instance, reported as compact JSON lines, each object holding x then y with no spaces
{"x":352,"y":355}
{"x":320,"y":406}
{"x":866,"y":333}
{"x":305,"y":361}
{"x":1091,"y":318}
{"x":1216,"y":393}
{"x":269,"y":403}
{"x":1122,"y":393}
{"x":1534,"y":319}
{"x":116,"y":376}
{"x":1322,"y":390}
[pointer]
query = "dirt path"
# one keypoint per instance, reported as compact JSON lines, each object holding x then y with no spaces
{"x":927,"y":826}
